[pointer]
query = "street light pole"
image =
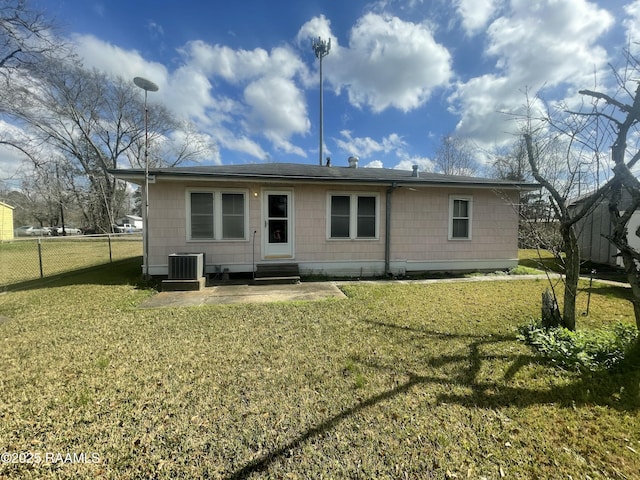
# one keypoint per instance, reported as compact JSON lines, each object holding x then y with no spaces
{"x":321,"y":49}
{"x":147,"y":86}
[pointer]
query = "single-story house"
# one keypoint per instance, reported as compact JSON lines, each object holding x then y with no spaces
{"x":134,"y":220}
{"x":6,"y":221}
{"x":329,"y":220}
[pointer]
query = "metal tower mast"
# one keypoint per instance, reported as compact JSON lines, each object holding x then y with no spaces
{"x":321,"y":49}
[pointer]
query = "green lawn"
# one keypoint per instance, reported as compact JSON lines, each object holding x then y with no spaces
{"x":396,"y":381}
{"x":21,"y":259}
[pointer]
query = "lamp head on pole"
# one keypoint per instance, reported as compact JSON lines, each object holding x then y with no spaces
{"x":146,"y":85}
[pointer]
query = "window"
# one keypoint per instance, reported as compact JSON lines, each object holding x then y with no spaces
{"x":460,"y":218}
{"x":366,"y":217}
{"x":340,"y":212}
{"x":201,"y":215}
{"x":232,"y":215}
{"x":216,"y":215}
{"x":353,"y":216}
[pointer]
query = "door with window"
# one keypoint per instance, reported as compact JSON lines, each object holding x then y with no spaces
{"x":278,"y":224}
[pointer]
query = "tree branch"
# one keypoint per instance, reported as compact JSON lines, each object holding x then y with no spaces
{"x":608,"y":99}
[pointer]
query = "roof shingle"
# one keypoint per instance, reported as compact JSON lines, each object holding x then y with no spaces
{"x":305,"y":172}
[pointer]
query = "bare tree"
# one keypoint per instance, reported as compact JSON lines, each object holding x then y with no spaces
{"x":455,"y":157}
{"x":94,"y":122}
{"x":554,"y":161}
{"x":605,"y":120}
{"x":25,"y":36}
{"x":510,"y":163}
{"x":620,"y":120}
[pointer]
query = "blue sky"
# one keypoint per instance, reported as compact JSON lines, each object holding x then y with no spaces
{"x":400,"y":75}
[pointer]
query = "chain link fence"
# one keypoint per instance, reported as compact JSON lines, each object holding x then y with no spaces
{"x":27,"y":259}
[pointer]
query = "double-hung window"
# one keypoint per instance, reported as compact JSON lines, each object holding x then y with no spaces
{"x":460,"y":208}
{"x":352,"y":216}
{"x":216,"y":215}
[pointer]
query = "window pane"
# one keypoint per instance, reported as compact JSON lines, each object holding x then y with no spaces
{"x":366,"y":227}
{"x":460,"y":228}
{"x":202,"y":203}
{"x":278,"y":231}
{"x":366,"y":206}
{"x":232,"y":215}
{"x":339,"y":227}
{"x":340,"y":210}
{"x":201,"y":215}
{"x":461,"y":208}
{"x":233,"y":227}
{"x":278,"y":206}
{"x":366,"y":217}
{"x":340,"y":205}
{"x":232,"y":203}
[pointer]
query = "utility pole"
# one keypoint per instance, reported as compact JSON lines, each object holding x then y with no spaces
{"x":321,"y":49}
{"x":147,"y":86}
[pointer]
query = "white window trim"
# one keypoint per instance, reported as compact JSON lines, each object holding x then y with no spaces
{"x":353,"y":216}
{"x":467,"y":198}
{"x":217,"y":214}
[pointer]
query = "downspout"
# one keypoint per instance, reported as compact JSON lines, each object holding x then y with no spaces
{"x":387,"y":231}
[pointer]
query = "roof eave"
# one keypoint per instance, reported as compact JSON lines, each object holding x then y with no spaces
{"x":137,"y":177}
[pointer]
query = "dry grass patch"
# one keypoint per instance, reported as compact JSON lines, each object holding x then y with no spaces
{"x":397,"y":381}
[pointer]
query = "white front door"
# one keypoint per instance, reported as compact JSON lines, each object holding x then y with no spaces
{"x":278,"y":224}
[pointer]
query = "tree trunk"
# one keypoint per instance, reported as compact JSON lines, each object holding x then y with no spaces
{"x":572,"y":276}
{"x":550,"y":312}
{"x":630,"y":268}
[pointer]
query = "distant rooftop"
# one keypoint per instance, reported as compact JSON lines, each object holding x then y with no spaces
{"x":315,"y":173}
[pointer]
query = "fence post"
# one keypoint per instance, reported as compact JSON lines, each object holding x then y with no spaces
{"x":110,"y":254}
{"x":40,"y":258}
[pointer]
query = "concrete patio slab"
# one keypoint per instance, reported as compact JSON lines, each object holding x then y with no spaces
{"x":225,"y":294}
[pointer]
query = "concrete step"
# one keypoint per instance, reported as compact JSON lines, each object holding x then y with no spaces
{"x":274,"y":273}
{"x":183,"y":285}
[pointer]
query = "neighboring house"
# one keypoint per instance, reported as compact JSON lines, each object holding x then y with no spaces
{"x":339,"y":221}
{"x":593,"y":229}
{"x":6,"y":221}
{"x":134,"y":220}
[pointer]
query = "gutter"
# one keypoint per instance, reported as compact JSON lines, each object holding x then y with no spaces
{"x":137,"y":176}
{"x":387,"y":231}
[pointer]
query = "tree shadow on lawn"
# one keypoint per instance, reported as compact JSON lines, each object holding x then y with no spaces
{"x":620,"y":391}
{"x":119,"y":272}
{"x":610,"y":291}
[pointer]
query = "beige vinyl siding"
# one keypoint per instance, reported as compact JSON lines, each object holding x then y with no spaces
{"x":420,"y":222}
{"x":419,"y":226}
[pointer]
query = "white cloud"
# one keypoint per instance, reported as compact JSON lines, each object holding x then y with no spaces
{"x":424,"y":164}
{"x":475,"y":14}
{"x":632,"y":24}
{"x":13,"y":164}
{"x":388,"y":63}
{"x":272,"y":104}
{"x":234,"y":66}
{"x":365,"y":147}
{"x":277,"y":109}
{"x":127,"y":64}
{"x":239,"y":143}
{"x":314,"y":28}
{"x":374,"y":164}
{"x":544,"y":44}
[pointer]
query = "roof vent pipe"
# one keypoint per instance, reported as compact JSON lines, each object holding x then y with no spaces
{"x":415,"y":171}
{"x":353,"y":162}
